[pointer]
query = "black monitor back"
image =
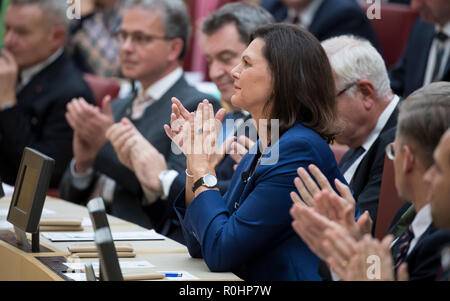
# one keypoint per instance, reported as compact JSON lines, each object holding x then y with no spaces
{"x":33,"y":179}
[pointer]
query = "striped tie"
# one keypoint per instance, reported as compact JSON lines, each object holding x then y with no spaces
{"x":401,"y":247}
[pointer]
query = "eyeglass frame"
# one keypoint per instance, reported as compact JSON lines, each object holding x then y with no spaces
{"x":148,"y":38}
{"x":346,"y":88}
{"x":390,"y":151}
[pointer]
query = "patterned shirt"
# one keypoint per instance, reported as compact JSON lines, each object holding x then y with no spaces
{"x":92,"y":43}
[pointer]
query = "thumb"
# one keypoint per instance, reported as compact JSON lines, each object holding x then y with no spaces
{"x":402,"y":273}
{"x":106,"y":106}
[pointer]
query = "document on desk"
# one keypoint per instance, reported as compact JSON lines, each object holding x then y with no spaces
{"x":4,"y":212}
{"x":79,"y":266}
{"x":89,"y":236}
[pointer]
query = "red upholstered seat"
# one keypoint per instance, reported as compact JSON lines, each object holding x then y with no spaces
{"x":102,"y":86}
{"x":393,"y":29}
{"x":389,"y":202}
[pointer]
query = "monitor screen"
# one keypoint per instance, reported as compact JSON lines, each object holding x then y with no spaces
{"x":33,"y":179}
{"x":97,"y":213}
{"x":109,"y":262}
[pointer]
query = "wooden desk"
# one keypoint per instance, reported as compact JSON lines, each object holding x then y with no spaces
{"x":167,"y":254}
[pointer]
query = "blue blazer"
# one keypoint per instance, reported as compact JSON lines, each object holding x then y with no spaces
{"x":332,"y":19}
{"x":248,"y":231}
{"x":409,"y":73}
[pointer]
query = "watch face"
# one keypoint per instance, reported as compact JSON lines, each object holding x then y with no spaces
{"x":210,"y":180}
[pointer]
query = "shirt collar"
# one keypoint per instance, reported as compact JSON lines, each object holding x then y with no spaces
{"x":306,"y":15}
{"x":422,"y":221}
{"x":445,"y":29}
{"x":159,"y":88}
{"x":382,"y":120}
{"x":28,"y":74}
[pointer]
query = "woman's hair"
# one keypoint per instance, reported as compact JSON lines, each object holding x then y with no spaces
{"x":304,"y":89}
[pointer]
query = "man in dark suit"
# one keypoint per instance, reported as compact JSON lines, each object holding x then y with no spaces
{"x":37,"y":80}
{"x":368,"y":110}
{"x":324,"y":18}
{"x":151,"y":53}
{"x":426,"y":55}
{"x":423,"y":118}
{"x":226,"y":32}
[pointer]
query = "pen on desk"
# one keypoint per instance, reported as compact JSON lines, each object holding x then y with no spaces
{"x":173,"y":274}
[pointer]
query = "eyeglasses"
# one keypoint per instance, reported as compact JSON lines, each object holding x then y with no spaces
{"x":137,"y":37}
{"x":346,"y":88}
{"x":390,"y":151}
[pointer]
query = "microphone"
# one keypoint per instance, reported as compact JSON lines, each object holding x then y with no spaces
{"x":244,"y":177}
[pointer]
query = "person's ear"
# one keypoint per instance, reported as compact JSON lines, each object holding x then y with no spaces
{"x":367,"y":91}
{"x":57,"y":36}
{"x":408,"y":159}
{"x":176,"y":47}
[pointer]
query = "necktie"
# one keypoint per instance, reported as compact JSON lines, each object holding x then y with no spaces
{"x":404,"y":222}
{"x":140,"y":103}
{"x":356,"y":153}
{"x":441,"y":39}
{"x":401,"y":247}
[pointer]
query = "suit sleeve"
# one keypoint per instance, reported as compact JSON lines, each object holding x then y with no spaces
{"x":215,"y":231}
{"x":47,"y":132}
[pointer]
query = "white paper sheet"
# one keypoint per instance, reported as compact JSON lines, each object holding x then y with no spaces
{"x":79,"y":266}
{"x":89,"y":236}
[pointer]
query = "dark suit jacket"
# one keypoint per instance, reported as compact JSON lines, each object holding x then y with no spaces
{"x":38,"y":120}
{"x":127,"y":199}
{"x":366,"y":181}
{"x":333,"y":18}
{"x":424,"y":261}
{"x":248,"y":231}
{"x":409,"y":72}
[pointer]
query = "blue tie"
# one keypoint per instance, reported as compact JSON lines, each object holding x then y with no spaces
{"x":356,"y":153}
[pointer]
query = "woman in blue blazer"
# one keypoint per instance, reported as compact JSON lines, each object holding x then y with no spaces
{"x":285,"y":77}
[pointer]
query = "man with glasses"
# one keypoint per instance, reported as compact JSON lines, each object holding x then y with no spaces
{"x":153,"y":41}
{"x":423,"y":118}
{"x":368,"y":110}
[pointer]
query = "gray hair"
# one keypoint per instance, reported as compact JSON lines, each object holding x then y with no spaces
{"x":353,"y":59}
{"x":246,"y":17}
{"x":176,"y":20}
{"x":424,"y":117}
{"x":55,"y":11}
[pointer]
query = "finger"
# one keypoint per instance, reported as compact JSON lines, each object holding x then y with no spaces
{"x":220,"y":115}
{"x":344,"y":191}
{"x":180,"y":107}
{"x":247,"y":142}
{"x":305,"y":194}
{"x":402,"y":273}
{"x":106,"y":106}
{"x":296,"y":199}
{"x":308,"y":182}
{"x":320,"y":178}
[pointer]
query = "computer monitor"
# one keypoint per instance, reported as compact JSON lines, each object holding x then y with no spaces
{"x":97,"y":213}
{"x":25,"y":210}
{"x":109,"y":262}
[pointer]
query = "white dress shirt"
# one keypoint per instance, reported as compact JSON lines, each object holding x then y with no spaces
{"x":382,"y":120}
{"x":27,"y":75}
{"x":306,"y":16}
{"x":433,"y":53}
{"x":155,"y":92}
